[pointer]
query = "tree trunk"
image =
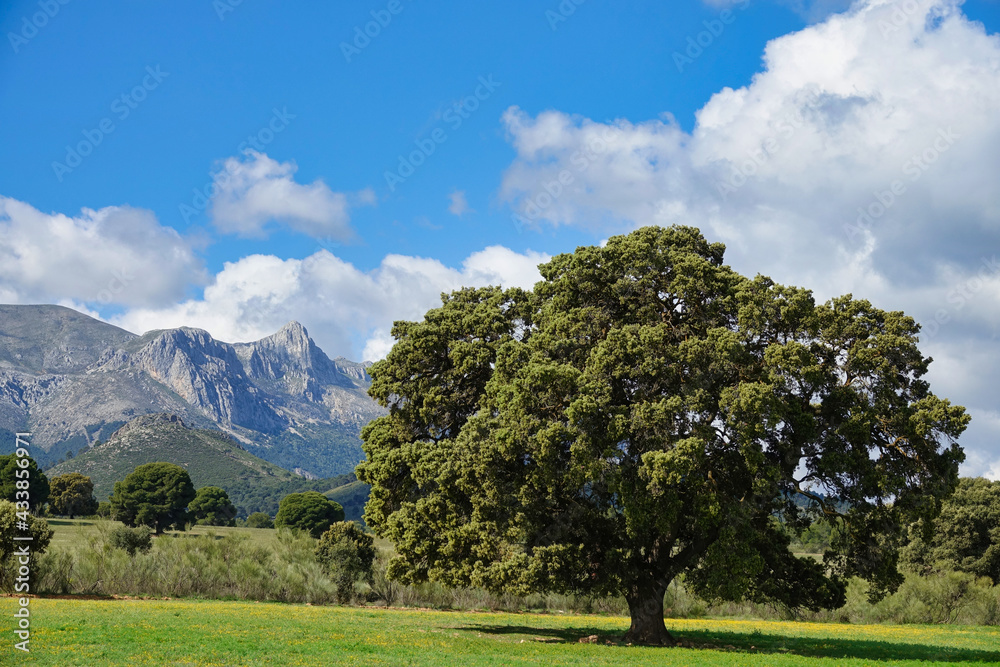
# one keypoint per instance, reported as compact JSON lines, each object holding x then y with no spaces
{"x":645,"y":606}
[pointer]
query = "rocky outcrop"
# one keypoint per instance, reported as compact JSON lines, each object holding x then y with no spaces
{"x":204,"y":372}
{"x":282,"y":397}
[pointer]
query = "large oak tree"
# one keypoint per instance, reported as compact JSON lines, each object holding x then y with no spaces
{"x":646,"y":412}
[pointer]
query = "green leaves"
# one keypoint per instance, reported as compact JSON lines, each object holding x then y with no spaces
{"x":154,"y":495}
{"x":72,"y":494}
{"x":11,"y":473}
{"x":966,"y":535}
{"x":311,"y":512}
{"x":211,"y":507}
{"x":644,"y":412}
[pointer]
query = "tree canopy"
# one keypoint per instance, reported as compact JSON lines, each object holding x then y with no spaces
{"x":154,"y":495}
{"x":211,"y":507}
{"x":72,"y":494}
{"x":11,"y":520}
{"x":310,"y":511}
{"x":966,"y":536}
{"x":11,"y":473}
{"x":346,"y":553}
{"x":645,"y":412}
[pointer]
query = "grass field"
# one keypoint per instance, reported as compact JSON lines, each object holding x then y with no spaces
{"x":69,"y":632}
{"x":73,"y":533}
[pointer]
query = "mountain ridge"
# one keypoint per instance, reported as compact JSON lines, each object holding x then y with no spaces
{"x":212,"y":458}
{"x":72,"y":380}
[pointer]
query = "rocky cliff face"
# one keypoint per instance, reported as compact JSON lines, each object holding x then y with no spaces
{"x":204,"y":372}
{"x":282,"y":397}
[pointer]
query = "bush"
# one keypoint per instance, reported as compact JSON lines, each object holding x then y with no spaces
{"x":346,"y":553}
{"x":41,"y":535}
{"x":259,"y":520}
{"x":131,"y":540}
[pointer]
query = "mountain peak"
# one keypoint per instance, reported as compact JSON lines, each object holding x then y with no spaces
{"x":294,"y":327}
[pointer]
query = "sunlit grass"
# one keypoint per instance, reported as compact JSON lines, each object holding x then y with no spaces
{"x":72,"y":534}
{"x":194,"y":632}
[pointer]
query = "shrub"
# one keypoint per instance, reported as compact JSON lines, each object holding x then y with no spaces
{"x":41,"y":535}
{"x":131,"y":540}
{"x":259,"y":520}
{"x":346,"y":553}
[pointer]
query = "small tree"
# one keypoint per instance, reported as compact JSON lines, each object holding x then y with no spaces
{"x":72,"y":494}
{"x":966,"y":535}
{"x":40,"y":534}
{"x":310,"y":511}
{"x":11,"y":473}
{"x":154,"y":495}
{"x":211,"y":507}
{"x":346,"y":553}
{"x":259,"y":520}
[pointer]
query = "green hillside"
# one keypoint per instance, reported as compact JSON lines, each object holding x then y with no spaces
{"x":352,"y":497}
{"x":212,"y":458}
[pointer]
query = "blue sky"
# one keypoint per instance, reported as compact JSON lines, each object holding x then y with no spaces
{"x":654,"y":113}
{"x":227,"y":70}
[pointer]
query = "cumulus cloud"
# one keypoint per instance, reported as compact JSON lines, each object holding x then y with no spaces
{"x":862,"y":158}
{"x":348,"y":311}
{"x":458,"y":205}
{"x":98,"y":257}
{"x":254,"y":190}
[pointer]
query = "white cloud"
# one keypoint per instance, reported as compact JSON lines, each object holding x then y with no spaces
{"x":336,"y":301}
{"x":256,"y":190}
{"x":458,"y":205}
{"x":863,"y":158}
{"x":99,"y":257}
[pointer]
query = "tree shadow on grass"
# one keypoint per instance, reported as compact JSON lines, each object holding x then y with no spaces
{"x":757,"y":642}
{"x":68,"y":522}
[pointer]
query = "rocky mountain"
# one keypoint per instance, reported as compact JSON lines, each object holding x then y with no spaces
{"x":211,"y":457}
{"x":72,"y":380}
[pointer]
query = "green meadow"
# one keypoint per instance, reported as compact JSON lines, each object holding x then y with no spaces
{"x":68,"y":632}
